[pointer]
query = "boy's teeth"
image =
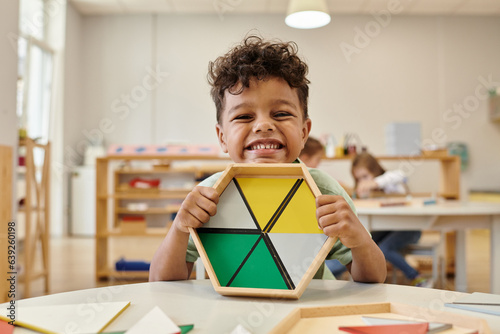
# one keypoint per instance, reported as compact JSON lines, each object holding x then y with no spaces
{"x":262,"y":146}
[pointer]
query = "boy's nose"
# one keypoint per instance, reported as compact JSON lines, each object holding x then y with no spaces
{"x":264,"y":125}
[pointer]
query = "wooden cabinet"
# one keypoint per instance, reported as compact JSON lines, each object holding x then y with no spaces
{"x":5,"y":217}
{"x":120,"y":205}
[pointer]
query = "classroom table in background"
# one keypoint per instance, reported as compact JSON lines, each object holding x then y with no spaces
{"x":444,"y":216}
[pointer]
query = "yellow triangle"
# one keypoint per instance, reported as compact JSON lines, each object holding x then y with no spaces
{"x":264,"y":195}
{"x":299,"y":215}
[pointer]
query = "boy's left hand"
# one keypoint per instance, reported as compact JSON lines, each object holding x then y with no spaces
{"x":336,"y":219}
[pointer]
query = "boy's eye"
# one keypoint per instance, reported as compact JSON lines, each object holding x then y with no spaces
{"x":282,"y":114}
{"x":242,"y":117}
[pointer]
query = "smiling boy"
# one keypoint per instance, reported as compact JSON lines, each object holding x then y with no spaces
{"x":260,"y":92}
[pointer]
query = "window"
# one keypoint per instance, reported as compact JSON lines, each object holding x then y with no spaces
{"x":35,"y":71}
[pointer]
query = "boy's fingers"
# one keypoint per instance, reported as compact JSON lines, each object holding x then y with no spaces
{"x":324,"y":211}
{"x":330,"y":204}
{"x":332,"y":230}
{"x":202,"y":197}
{"x":206,"y":205}
{"x":209,"y":193}
{"x":333,"y":213}
{"x":327,"y":199}
{"x":197,"y":216}
{"x":325,"y":220}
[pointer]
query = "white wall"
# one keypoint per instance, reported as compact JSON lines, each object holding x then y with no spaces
{"x":73,"y":99}
{"x":73,"y":82}
{"x":8,"y":80}
{"x":411,"y":69}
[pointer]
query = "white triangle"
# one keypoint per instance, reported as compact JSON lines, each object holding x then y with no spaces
{"x":231,"y":211}
{"x":297,"y":251}
{"x":154,"y":322}
{"x":77,"y":318}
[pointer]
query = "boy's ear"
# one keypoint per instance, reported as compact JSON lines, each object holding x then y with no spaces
{"x":221,"y":137}
{"x":306,"y":129}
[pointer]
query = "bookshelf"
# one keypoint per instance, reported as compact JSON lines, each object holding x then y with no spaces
{"x":115,"y":199}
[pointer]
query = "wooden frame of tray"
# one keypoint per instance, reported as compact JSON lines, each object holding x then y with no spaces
{"x":265,"y":171}
{"x":317,"y":319}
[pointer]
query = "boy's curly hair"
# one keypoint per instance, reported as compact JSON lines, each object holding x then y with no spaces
{"x":256,"y":58}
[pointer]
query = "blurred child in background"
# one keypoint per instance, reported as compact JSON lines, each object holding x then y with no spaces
{"x":312,"y":153}
{"x":370,"y":176}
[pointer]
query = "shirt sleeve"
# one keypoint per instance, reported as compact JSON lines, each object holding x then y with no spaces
{"x":191,"y":253}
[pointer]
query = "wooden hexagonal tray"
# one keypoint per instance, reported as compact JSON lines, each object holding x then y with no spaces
{"x":312,"y":320}
{"x":264,"y":240}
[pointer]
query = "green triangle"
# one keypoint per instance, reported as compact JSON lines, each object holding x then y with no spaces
{"x":259,"y":271}
{"x":226,"y":252}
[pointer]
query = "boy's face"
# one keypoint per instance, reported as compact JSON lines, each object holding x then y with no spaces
{"x":263,"y":124}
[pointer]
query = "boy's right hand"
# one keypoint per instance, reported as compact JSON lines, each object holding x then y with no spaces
{"x":200,"y":204}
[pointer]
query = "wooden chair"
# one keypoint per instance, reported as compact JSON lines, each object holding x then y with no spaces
{"x":431,"y":244}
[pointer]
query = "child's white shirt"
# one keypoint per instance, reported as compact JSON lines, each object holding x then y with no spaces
{"x":392,"y":182}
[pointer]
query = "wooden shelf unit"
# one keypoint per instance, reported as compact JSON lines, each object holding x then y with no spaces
{"x":110,"y":198}
{"x":36,"y":237}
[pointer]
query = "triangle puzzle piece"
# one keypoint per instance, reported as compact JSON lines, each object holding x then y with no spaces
{"x":420,"y":328}
{"x":434,"y":327}
{"x":299,"y":216}
{"x":226,"y":260}
{"x":297,"y":251}
{"x":84,"y":318}
{"x":6,"y":328}
{"x":154,"y":322}
{"x":260,"y":271}
{"x":232,"y":207}
{"x":265,"y":195}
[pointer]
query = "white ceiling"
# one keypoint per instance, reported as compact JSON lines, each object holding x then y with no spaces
{"x":409,"y":7}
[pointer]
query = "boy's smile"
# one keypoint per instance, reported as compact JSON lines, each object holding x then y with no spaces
{"x":264,"y":123}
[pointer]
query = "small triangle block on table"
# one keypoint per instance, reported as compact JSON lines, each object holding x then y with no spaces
{"x":420,"y":328}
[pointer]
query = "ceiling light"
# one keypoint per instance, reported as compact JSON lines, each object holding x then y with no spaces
{"x":307,"y":14}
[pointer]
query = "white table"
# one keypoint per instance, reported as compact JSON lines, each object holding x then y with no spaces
{"x":446,"y":216}
{"x":195,"y":302}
